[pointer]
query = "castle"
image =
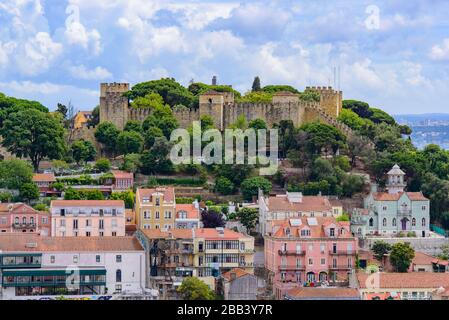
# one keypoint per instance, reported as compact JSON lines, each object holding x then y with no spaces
{"x":222,"y":107}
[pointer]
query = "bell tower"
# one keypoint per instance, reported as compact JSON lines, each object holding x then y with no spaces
{"x":396,"y":182}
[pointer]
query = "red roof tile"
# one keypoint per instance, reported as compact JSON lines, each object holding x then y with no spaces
{"x":118,"y":174}
{"x":169,"y":193}
{"x":87,"y":203}
{"x":407,"y":280}
{"x":44,"y":177}
{"x":307,"y":292}
{"x":192,"y":211}
{"x":308,"y":204}
{"x":384,"y":196}
{"x":238,"y":272}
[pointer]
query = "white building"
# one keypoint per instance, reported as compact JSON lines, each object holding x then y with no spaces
{"x":32,"y":266}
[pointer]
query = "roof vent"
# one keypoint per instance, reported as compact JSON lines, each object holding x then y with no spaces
{"x":220,"y":230}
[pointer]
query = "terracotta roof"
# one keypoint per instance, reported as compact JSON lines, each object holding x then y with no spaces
{"x":384,"y":196}
{"x":238,"y":273}
{"x":422,"y":259}
{"x":316,"y":230}
{"x":308,"y":204}
{"x":175,"y":233}
{"x":16,"y":207}
{"x":169,"y":193}
{"x":307,"y":292}
{"x":213,"y":234}
{"x":192,"y":211}
{"x":44,"y":177}
{"x":25,"y":242}
{"x":383,"y":296}
{"x":87,"y":203}
{"x":206,"y":233}
{"x":407,"y":280}
{"x":118,"y":174}
{"x":440,"y":262}
{"x":335,"y":203}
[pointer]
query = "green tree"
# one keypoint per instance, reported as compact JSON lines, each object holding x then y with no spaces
{"x":256,"y":85}
{"x":150,"y":136}
{"x":83,"y":151}
{"x":249,"y":218}
{"x":352,"y":184}
{"x":126,"y":196}
{"x":103,"y":164}
{"x":129,"y":142}
{"x":133,"y":125}
{"x":131,"y":162}
{"x":162,"y":118}
{"x":14,"y":173}
{"x":251,"y":186}
{"x":29,"y":191}
{"x":150,"y":101}
{"x":279,"y":88}
{"x":323,"y":137}
{"x":380,"y":249}
{"x":224,"y":186}
{"x":256,"y":97}
{"x":193,"y":288}
{"x":5,"y":197}
{"x":257,"y":124}
{"x":343,"y":217}
{"x":34,"y":134}
{"x":401,"y":256}
{"x":107,"y":133}
{"x":9,"y":105}
{"x":212,"y":218}
{"x":360,"y":108}
{"x":156,"y":160}
{"x":72,"y":194}
{"x":95,"y":119}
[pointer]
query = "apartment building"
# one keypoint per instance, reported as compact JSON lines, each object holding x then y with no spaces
{"x":204,"y":253}
{"x":294,"y":205}
{"x":187,"y":216}
{"x":155,"y":208}
{"x":87,"y":218}
{"x":34,"y":267}
{"x":309,"y":251}
{"x":19,"y":217}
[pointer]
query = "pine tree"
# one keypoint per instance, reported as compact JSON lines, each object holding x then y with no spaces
{"x":256,"y":84}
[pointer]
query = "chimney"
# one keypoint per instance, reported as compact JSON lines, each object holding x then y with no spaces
{"x":214,"y":80}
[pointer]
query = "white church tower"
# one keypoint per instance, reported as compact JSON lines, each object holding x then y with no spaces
{"x":396,"y":182}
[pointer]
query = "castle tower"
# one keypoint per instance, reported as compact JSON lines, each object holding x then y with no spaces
{"x":331,"y":100}
{"x":113,"y":103}
{"x":396,"y":182}
{"x":212,"y":104}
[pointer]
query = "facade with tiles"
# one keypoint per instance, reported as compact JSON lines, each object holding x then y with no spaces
{"x":392,"y":212}
{"x":155,"y":208}
{"x":309,"y":250}
{"x":293,"y":205}
{"x":87,"y":218}
{"x":21,"y":218}
{"x":34,"y":266}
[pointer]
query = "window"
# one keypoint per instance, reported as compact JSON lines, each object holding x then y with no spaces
{"x":75,"y":224}
{"x":385,"y":208}
{"x":118,"y":258}
{"x":323,"y":261}
{"x":298,"y":248}
{"x":118,"y":275}
{"x":158,"y":201}
{"x":167,"y":215}
{"x":322,"y":248}
{"x":101,"y":234}
{"x":310,"y":261}
{"x":413,"y":222}
{"x":384,"y":222}
{"x":62,"y":223}
{"x":101,"y":224}
{"x":334,"y":248}
{"x":97,"y":258}
{"x":118,"y":288}
{"x":371,"y":222}
{"x":332,"y":232}
{"x":114,"y":234}
{"x":88,"y":224}
{"x":16,"y":220}
{"x":31,"y":220}
{"x":424,"y":208}
{"x":52,"y":259}
{"x":114,"y":223}
{"x":75,"y":259}
{"x":423,"y":222}
{"x":394,"y":222}
{"x":44,"y":220}
{"x":157,"y":215}
{"x":24,"y":220}
{"x":146,"y":215}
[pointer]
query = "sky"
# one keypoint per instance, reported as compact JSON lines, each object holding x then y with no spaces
{"x":392,"y":54}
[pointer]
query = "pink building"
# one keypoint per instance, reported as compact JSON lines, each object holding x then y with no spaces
{"x":19,"y":217}
{"x":309,"y":251}
{"x":88,"y":218}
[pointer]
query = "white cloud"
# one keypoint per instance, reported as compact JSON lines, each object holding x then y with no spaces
{"x":76,"y":33}
{"x":81,"y":72}
{"x":440,"y":51}
{"x":38,"y":54}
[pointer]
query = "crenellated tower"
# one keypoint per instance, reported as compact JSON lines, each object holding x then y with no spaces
{"x":331,"y":100}
{"x":114,"y":104}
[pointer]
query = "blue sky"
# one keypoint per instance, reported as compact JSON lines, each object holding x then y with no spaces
{"x":392,"y":54}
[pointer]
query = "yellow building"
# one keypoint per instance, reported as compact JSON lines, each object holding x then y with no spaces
{"x":155,"y":208}
{"x":81,"y":118}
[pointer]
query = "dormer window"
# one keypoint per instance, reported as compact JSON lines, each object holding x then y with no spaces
{"x":158,"y":201}
{"x":287,"y":231}
{"x":305,"y":233}
{"x":332,"y":232}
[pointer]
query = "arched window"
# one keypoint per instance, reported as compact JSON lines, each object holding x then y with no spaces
{"x":423,"y":222}
{"x":24,"y":220}
{"x":413,"y":222}
{"x":384,"y":222}
{"x":16,"y":220}
{"x":32,"y":220}
{"x":118,"y":276}
{"x":394,"y":222}
{"x":371,"y":222}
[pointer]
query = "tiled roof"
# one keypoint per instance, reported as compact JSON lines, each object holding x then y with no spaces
{"x":118,"y":174}
{"x":307,"y":292}
{"x":316,"y":230}
{"x":44,"y":177}
{"x":175,"y":233}
{"x":17,"y":207}
{"x":214,"y":234}
{"x":206,"y":233}
{"x":87,"y":203}
{"x":308,"y":204}
{"x":169,"y":193}
{"x":422,"y":258}
{"x":407,"y":280}
{"x":192,"y":211}
{"x":238,"y":273}
{"x":384,"y":196}
{"x":34,"y":243}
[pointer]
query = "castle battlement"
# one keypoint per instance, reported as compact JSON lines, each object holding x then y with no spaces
{"x":113,"y":88}
{"x":324,"y":90}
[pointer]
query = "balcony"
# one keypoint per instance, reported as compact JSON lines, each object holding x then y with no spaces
{"x":404,"y":212}
{"x":340,"y":267}
{"x":341,"y":253}
{"x":292,"y":268}
{"x":292,"y":252}
{"x":24,"y":225}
